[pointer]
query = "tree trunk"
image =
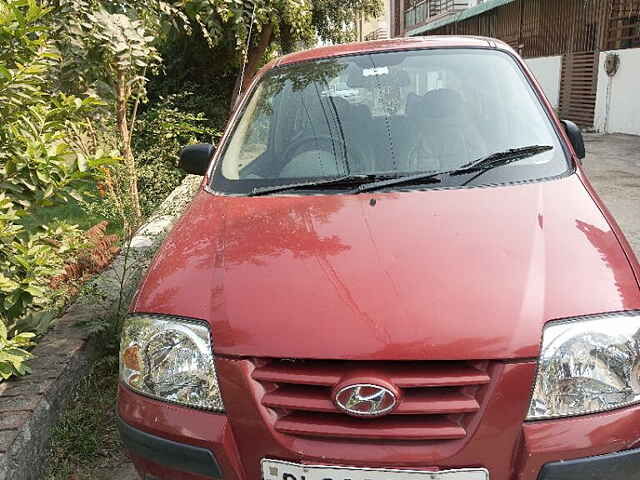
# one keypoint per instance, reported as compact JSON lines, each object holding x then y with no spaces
{"x":254,"y":57}
{"x":286,"y":38}
{"x":125,"y":138}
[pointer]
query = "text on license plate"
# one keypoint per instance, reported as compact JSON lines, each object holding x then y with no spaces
{"x":279,"y":470}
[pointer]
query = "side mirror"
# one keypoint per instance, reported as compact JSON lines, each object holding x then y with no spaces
{"x":575,"y":135}
{"x":195,"y":159}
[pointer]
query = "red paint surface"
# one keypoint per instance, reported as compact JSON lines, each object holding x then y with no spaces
{"x":433,"y":41}
{"x":442,"y":274}
{"x":435,"y":275}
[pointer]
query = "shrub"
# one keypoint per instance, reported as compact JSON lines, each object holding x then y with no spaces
{"x":163,"y":129}
{"x":43,"y":162}
{"x":13,"y":354}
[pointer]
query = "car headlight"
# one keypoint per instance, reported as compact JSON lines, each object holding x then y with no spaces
{"x":588,"y":365}
{"x":171,"y":359}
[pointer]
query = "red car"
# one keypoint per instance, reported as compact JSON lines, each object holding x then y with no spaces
{"x":413,"y":282}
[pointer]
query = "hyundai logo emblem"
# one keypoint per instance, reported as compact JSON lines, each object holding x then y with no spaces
{"x":365,"y":400}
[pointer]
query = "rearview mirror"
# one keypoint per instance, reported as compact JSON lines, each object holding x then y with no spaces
{"x":195,"y":159}
{"x":575,"y":135}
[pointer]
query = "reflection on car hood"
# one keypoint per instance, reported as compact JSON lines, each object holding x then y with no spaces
{"x":442,"y":274}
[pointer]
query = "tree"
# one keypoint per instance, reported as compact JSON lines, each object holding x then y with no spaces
{"x":127,"y":55}
{"x":332,"y":19}
{"x":108,"y":50}
{"x":282,"y":24}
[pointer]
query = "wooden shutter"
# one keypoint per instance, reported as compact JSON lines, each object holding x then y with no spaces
{"x":578,"y":85}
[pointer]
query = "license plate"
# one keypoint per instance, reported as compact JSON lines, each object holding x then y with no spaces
{"x":279,"y":470}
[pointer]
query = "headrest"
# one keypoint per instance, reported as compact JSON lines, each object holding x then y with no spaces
{"x":442,"y":102}
{"x":350,"y":112}
{"x":414,"y":103}
{"x":362,"y":111}
{"x":402,"y":78}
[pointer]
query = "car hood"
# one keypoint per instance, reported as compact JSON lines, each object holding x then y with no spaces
{"x":439,"y":274}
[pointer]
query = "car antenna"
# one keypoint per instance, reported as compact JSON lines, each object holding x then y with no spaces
{"x":246,"y":52}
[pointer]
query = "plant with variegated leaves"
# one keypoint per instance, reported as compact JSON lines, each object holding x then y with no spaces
{"x":42,"y":164}
{"x":13,"y":352}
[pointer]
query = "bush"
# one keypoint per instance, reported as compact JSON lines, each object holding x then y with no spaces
{"x":42,"y":163}
{"x":13,"y":353}
{"x":163,"y":129}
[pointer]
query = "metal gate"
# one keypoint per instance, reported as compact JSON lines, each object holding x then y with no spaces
{"x":578,"y":85}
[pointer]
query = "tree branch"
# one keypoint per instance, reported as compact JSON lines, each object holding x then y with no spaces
{"x":134,"y":114}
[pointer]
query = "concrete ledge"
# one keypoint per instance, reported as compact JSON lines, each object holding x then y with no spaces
{"x":31,"y":406}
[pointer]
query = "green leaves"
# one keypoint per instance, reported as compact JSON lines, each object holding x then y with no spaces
{"x":27,"y":266}
{"x":297,"y":21}
{"x":38,"y":163}
{"x":13,"y":353}
{"x":43,"y":162}
{"x":7,"y":285}
{"x":333,"y":19}
{"x":27,"y":263}
{"x":126,"y":44}
{"x":163,"y":129}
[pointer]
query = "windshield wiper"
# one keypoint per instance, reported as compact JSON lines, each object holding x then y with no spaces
{"x":366,"y":183}
{"x":499,"y":159}
{"x":431,"y":177}
{"x":481,"y":165}
{"x":346,"y":181}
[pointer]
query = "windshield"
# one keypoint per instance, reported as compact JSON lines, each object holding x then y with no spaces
{"x":388,"y":114}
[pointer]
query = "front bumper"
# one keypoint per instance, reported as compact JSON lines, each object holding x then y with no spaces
{"x":171,"y":458}
{"x":616,"y":466}
{"x":507,"y":447}
{"x":167,"y":453}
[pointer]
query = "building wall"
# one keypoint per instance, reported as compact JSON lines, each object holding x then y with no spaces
{"x":417,"y":13}
{"x":618,"y":98}
{"x":552,"y":32}
{"x":547,"y":71}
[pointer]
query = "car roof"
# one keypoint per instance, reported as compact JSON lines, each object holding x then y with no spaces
{"x":409,"y":43}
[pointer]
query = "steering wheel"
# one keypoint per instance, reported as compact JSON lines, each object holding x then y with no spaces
{"x":422,"y":158}
{"x":326,"y":143}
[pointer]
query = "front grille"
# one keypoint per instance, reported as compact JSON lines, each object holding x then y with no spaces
{"x":439,"y":399}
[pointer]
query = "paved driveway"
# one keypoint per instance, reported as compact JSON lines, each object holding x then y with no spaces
{"x":613,"y":166}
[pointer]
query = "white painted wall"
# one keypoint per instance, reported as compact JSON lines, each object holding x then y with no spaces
{"x":618,"y":97}
{"x":547,"y":71}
